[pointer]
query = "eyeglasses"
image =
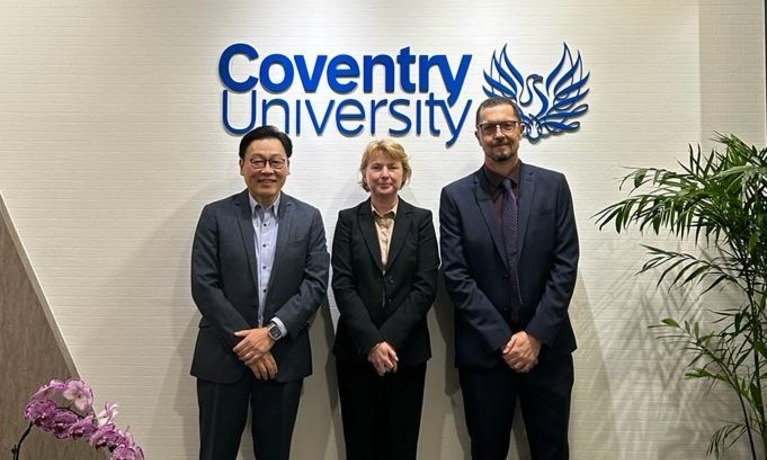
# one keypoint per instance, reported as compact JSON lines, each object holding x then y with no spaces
{"x":260,"y":163}
{"x":488,"y":129}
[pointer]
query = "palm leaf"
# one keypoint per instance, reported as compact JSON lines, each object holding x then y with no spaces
{"x":717,"y":201}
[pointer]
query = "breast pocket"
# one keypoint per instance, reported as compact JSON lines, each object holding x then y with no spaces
{"x":542,"y":224}
{"x":542,"y":213}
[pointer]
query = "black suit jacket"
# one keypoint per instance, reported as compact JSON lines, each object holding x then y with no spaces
{"x":476,"y":271}
{"x":225,"y":282}
{"x":380,"y":303}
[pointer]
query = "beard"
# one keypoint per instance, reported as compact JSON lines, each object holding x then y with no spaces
{"x":502,"y":152}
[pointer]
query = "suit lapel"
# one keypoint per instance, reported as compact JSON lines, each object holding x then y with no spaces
{"x":527,"y":177}
{"x":369,"y":233}
{"x":285,"y":219}
{"x":245,"y":220}
{"x":485,"y":202}
{"x":402,"y":222}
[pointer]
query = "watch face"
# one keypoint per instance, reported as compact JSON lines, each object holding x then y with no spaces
{"x":275,"y":332}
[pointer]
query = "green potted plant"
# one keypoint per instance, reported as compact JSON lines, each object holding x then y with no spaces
{"x":719,"y":202}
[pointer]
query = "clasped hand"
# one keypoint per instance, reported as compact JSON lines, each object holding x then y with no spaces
{"x":383,"y":358}
{"x":521,"y":352}
{"x":255,"y":351}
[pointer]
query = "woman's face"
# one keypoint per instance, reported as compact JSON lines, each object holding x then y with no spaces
{"x":383,"y":175}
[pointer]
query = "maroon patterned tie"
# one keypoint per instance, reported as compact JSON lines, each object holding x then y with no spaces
{"x":509,"y":223}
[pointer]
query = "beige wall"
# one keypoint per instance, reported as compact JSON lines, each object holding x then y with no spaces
{"x":32,"y":352}
{"x":112,"y":142}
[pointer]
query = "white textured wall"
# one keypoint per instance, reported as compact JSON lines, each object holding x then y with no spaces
{"x":111,"y":142}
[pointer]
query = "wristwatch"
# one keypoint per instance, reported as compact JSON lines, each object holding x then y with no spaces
{"x":274,"y":331}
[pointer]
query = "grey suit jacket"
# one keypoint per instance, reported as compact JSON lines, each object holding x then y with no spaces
{"x":225,"y":281}
{"x":476,"y":271}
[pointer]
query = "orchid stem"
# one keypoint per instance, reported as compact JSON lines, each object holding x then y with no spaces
{"x":16,"y":450}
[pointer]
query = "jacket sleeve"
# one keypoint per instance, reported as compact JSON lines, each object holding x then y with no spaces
{"x":551,"y":311}
{"x":299,"y":308}
{"x":207,"y":283}
{"x":360,"y":326}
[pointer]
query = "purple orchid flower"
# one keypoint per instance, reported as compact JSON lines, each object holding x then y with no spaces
{"x":105,"y":436}
{"x":55,"y":386}
{"x":76,"y":419}
{"x":40,"y":412}
{"x":63,"y":419}
{"x":83,"y":428}
{"x":127,"y":453}
{"x":107,"y":415}
{"x":79,"y":393}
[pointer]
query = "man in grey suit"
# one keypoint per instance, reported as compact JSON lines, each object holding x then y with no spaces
{"x":259,"y":273}
{"x":509,"y":249}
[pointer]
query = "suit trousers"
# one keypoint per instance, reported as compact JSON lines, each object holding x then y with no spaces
{"x":490,"y":397}
{"x":224,"y":413}
{"x":381,"y":414}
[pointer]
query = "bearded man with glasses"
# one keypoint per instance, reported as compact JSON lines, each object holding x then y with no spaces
{"x":509,"y":249}
{"x":259,"y":272}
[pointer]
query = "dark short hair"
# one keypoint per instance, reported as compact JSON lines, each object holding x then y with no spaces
{"x":266,"y":132}
{"x":497,"y":100}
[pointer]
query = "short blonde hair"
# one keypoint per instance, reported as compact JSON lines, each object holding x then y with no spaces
{"x":391,"y":149}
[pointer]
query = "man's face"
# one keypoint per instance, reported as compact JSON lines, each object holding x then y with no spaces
{"x":498,"y":139}
{"x":265,"y":168}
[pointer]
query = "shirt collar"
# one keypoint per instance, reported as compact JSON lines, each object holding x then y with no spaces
{"x":275,"y":206}
{"x":496,"y":179}
{"x":392,"y":211}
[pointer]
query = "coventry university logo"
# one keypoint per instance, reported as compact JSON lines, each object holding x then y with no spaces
{"x":547,"y":106}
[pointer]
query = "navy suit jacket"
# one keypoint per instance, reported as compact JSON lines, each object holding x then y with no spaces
{"x":225,"y":285}
{"x":388,"y":303}
{"x":476,"y":272}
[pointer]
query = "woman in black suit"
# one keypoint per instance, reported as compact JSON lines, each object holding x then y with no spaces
{"x":385,"y":262}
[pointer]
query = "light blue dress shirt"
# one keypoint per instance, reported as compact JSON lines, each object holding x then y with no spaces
{"x":265,"y":226}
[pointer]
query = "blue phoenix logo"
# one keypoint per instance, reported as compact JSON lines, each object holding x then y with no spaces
{"x":547,"y":106}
